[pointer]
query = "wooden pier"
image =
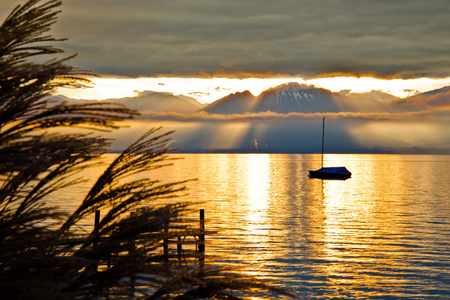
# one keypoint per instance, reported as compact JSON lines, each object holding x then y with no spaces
{"x":187,"y":247}
{"x":178,"y":246}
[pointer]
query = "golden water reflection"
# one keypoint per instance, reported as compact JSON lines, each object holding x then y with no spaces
{"x":384,"y":233}
{"x":353,"y":238}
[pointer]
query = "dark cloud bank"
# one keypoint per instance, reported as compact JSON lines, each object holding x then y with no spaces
{"x":402,"y":38}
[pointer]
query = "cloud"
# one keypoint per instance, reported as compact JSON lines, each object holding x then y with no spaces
{"x":306,"y":38}
{"x":296,"y":132}
{"x":277,"y":117}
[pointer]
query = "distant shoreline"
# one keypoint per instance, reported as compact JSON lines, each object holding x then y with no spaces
{"x":375,"y":150}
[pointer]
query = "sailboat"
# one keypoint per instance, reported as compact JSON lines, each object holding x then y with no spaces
{"x":329,"y":172}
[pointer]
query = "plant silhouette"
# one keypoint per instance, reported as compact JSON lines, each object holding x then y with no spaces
{"x":42,"y":253}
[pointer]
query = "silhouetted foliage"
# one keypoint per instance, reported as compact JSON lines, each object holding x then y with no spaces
{"x":42,"y":253}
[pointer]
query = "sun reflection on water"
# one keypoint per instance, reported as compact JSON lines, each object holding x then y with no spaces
{"x":382,"y":234}
{"x":258,"y":185}
{"x":256,"y":232}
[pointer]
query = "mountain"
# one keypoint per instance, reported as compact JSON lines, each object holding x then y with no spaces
{"x":148,"y":101}
{"x":294,"y":97}
{"x":57,"y":99}
{"x":237,"y":103}
{"x":374,"y":95}
{"x":430,"y":99}
{"x":191,"y":100}
{"x":285,"y":98}
{"x":159,"y":102}
{"x":369,"y":102}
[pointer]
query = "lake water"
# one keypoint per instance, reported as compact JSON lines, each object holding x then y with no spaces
{"x":382,"y":234}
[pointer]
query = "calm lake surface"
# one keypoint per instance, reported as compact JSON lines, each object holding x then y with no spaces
{"x":382,"y":234}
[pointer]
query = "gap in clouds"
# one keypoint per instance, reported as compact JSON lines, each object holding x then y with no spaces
{"x":207,"y":90}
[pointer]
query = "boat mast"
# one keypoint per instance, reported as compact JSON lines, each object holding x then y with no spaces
{"x":323,"y":135}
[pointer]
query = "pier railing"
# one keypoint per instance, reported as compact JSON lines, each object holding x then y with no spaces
{"x":175,"y":242}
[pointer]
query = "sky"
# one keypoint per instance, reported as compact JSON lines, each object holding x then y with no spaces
{"x":207,"y":49}
{"x":287,"y":40}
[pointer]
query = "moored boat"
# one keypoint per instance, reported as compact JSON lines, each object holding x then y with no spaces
{"x":329,"y":172}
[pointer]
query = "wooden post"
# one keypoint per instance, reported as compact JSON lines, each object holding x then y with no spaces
{"x":179,"y":248}
{"x":97,"y":218}
{"x":132,"y":246}
{"x":132,"y":252}
{"x":96,"y":222}
{"x":132,"y":249}
{"x":201,"y":246}
{"x":166,"y":240}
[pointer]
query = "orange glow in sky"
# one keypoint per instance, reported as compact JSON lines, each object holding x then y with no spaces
{"x":207,"y":90}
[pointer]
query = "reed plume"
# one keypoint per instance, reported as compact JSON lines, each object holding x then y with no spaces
{"x":43,"y":255}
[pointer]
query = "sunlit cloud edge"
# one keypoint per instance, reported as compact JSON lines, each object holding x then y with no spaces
{"x":432,"y":114}
{"x":207,"y":90}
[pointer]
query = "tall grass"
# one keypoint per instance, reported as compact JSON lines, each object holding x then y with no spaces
{"x":42,"y":255}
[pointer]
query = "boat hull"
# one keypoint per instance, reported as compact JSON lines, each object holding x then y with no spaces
{"x":331,"y":173}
